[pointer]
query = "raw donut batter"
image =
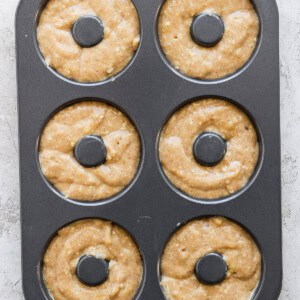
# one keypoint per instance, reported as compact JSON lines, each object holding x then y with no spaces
{"x":229,"y":55}
{"x":195,"y":240}
{"x":62,"y":53}
{"x":101,"y":239}
{"x":176,"y":149}
{"x":66,"y":128}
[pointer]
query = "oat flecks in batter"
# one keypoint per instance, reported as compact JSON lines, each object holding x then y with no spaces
{"x":101,"y":239}
{"x":66,"y":128}
{"x":176,"y":149}
{"x":228,"y":56}
{"x":195,"y":240}
{"x":62,"y":53}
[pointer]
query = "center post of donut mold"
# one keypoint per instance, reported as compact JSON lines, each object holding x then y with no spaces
{"x":88,"y":31}
{"x":92,"y":271}
{"x":207,"y":30}
{"x":90,"y":151}
{"x":209,"y":149}
{"x":211,"y":269}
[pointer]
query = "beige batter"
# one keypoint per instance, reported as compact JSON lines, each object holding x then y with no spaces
{"x":62,"y":53}
{"x":101,"y":239}
{"x":176,"y":149}
{"x":229,"y":55}
{"x":195,"y":240}
{"x":61,"y":135}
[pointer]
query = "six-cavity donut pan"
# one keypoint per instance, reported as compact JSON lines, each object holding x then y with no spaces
{"x":149,"y":91}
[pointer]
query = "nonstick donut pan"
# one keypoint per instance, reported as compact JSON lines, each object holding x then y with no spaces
{"x":149,"y":91}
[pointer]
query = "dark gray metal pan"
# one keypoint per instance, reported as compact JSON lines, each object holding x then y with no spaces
{"x":149,"y":91}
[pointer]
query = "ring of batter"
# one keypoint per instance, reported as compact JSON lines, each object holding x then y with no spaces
{"x":198,"y":238}
{"x":101,"y":239}
{"x":176,"y":149}
{"x":228,"y":56}
{"x":109,"y":57}
{"x":66,"y":128}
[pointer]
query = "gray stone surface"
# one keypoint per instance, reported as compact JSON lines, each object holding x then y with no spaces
{"x":10,"y":255}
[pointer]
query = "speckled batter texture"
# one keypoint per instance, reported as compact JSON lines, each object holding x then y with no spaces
{"x":229,"y":55}
{"x":101,"y":239}
{"x":176,"y":149}
{"x":195,"y":240}
{"x":61,"y":135}
{"x":62,"y":53}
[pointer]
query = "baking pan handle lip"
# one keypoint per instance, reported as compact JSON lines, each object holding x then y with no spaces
{"x":16,"y":23}
{"x":278,"y":290}
{"x":274,"y":3}
{"x":276,"y":8}
{"x":16,"y":20}
{"x":18,"y":11}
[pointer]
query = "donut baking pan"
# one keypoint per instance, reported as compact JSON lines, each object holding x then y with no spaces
{"x":152,"y":147}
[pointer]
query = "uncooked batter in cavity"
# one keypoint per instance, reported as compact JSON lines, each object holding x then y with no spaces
{"x":176,"y":149}
{"x":61,"y":135}
{"x":229,"y":55}
{"x":201,"y":237}
{"x":110,"y":56}
{"x":101,"y":239}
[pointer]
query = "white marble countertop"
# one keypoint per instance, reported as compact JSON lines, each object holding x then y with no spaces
{"x":10,"y":254}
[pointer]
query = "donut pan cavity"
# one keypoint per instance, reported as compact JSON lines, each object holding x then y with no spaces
{"x":148,"y":91}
